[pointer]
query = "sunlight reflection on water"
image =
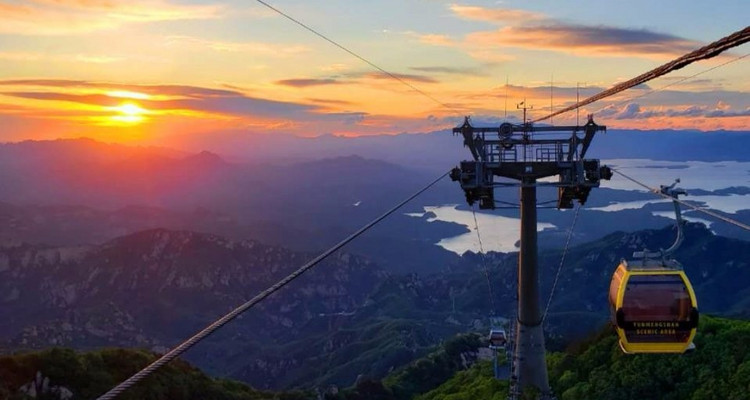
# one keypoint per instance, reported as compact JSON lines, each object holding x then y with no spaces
{"x":502,"y":233}
{"x":498,"y":233}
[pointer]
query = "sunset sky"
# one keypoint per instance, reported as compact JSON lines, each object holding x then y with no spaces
{"x":154,"y":71}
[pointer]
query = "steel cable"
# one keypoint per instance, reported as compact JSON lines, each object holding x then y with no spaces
{"x":361,"y":58}
{"x":709,"y":51}
{"x":562,"y":261}
{"x":683,"y":202}
{"x":677,"y":82}
{"x":187,"y":344}
{"x":484,"y":262}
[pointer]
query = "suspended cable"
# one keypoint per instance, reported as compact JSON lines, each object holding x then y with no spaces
{"x":484,"y":262}
{"x":507,"y":203}
{"x":686,"y":204}
{"x":709,"y":51}
{"x":562,"y":261}
{"x":184,"y":346}
{"x":677,"y":82}
{"x":361,"y":58}
{"x":652,"y":91}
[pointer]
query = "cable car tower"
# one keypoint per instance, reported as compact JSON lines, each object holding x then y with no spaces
{"x":511,"y":151}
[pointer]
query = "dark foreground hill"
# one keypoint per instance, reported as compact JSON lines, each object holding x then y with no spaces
{"x":153,"y":288}
{"x":345,"y":319}
{"x":596,"y":369}
{"x":718,"y":369}
{"x":61,"y":374}
{"x":64,"y":374}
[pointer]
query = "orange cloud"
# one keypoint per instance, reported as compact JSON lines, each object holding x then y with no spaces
{"x":78,"y":3}
{"x":502,"y":15}
{"x":636,"y":111}
{"x":66,"y":108}
{"x":403,"y":77}
{"x":81,"y":107}
{"x":307,"y":82}
{"x":65,"y":17}
{"x":84,"y":58}
{"x":94,"y":102}
{"x":465,"y":71}
{"x":536,"y":31}
{"x":599,"y":41}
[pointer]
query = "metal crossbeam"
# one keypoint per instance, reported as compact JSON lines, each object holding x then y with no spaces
{"x":512,"y":151}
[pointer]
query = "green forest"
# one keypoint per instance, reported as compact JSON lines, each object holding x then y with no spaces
{"x":597,"y":369}
{"x":592,"y":369}
{"x":91,"y":374}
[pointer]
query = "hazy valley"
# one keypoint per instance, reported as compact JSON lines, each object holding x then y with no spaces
{"x":106,"y":246}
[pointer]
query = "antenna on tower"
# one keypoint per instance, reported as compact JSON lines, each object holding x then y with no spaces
{"x":523,"y":106}
{"x":526,"y":124}
{"x":506,"y":97}
{"x":551,"y":97}
{"x":578,"y":96}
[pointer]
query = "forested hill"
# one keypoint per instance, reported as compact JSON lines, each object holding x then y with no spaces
{"x":718,"y":369}
{"x":593,"y":370}
{"x":63,"y":374}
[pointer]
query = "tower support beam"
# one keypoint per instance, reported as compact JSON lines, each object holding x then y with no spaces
{"x":511,"y":151}
{"x":531,"y":367}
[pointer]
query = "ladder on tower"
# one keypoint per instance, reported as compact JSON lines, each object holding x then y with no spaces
{"x":513,"y":392}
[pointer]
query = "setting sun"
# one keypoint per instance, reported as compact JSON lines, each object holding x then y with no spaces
{"x":129,"y":113}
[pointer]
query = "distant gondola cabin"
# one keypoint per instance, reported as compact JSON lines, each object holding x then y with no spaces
{"x":654,"y":308}
{"x":498,"y":339}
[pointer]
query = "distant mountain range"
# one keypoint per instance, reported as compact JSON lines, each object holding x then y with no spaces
{"x":431,"y":152}
{"x":346,"y":318}
{"x":82,"y":191}
{"x":439,"y":150}
{"x":108,"y":245}
{"x":84,"y":172}
{"x":153,"y":288}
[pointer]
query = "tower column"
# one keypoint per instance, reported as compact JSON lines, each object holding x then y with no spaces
{"x":531,"y":368}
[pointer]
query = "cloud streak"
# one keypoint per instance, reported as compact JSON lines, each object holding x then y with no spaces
{"x":634,"y":111}
{"x":535,"y":31}
{"x":177,"y":99}
{"x":498,"y":15}
{"x":303,"y":83}
{"x":358,"y":78}
{"x":597,"y":41}
{"x":68,"y":17}
{"x":464,"y":71}
{"x":168,"y":90}
{"x":404,"y":77}
{"x":85,"y":58}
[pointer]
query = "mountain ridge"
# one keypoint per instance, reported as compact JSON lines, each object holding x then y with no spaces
{"x":155,"y":287}
{"x":458,"y":369}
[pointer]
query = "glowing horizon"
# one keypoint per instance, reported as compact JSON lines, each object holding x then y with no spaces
{"x":149,"y":70}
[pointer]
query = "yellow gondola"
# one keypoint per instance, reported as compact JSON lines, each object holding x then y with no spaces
{"x":653,"y":305}
{"x":654,"y":308}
